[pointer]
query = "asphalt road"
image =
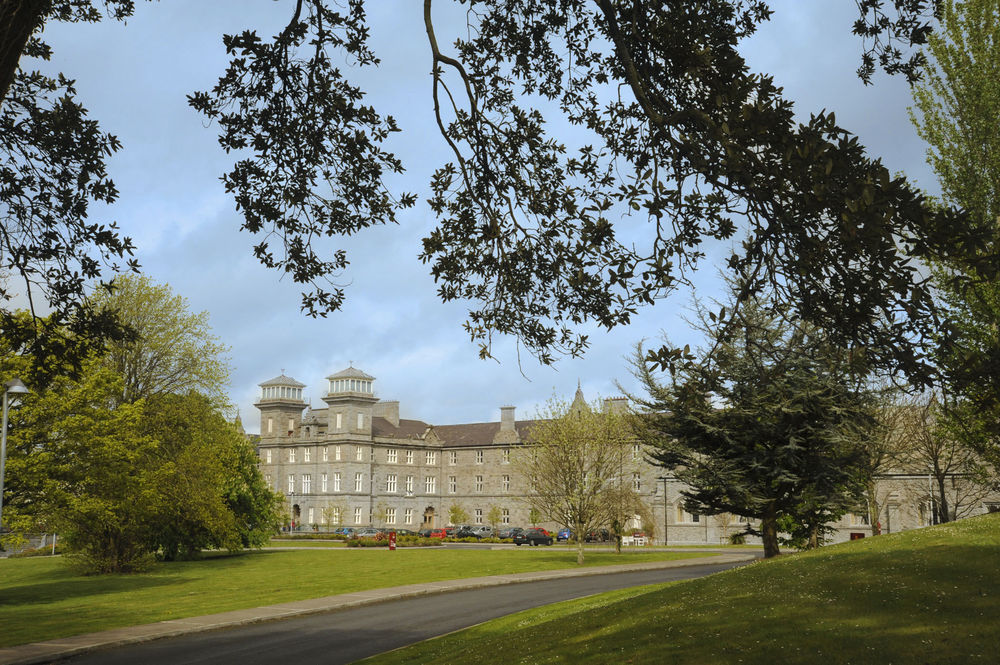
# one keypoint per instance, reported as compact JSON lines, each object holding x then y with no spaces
{"x":350,"y":635}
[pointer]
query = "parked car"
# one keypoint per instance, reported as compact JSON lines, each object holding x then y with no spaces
{"x":597,"y":535}
{"x":564,"y":534}
{"x":438,"y":533}
{"x":368,"y":532}
{"x":345,"y":531}
{"x":483,"y":530}
{"x":404,"y":532}
{"x":509,"y":532}
{"x":451,"y":530}
{"x":424,"y":533}
{"x":533,"y":536}
{"x":467,"y":532}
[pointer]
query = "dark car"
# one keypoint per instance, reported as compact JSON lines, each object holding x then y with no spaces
{"x":534,"y":536}
{"x":404,"y":532}
{"x":424,"y":533}
{"x":597,"y":535}
{"x":467,"y":532}
{"x":509,"y":532}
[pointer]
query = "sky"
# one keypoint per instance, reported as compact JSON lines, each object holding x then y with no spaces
{"x":134,"y":78}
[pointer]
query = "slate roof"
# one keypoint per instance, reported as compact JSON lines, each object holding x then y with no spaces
{"x":351,"y":373}
{"x":408,"y":429}
{"x":477,"y":434}
{"x":282,"y":380}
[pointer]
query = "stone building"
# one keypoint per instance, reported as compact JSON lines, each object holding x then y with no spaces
{"x":356,"y":462}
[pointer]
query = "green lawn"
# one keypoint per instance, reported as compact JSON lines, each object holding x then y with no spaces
{"x":927,"y":596}
{"x":40,"y":598}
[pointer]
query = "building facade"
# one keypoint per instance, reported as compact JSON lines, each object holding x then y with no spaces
{"x":355,"y":462}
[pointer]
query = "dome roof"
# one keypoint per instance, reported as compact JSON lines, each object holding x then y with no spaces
{"x":351,"y":373}
{"x":282,"y":380}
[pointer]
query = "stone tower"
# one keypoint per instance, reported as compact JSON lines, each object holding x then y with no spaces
{"x":350,"y":399}
{"x":280,"y":407}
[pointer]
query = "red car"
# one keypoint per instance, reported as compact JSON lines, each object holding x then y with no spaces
{"x":438,"y":533}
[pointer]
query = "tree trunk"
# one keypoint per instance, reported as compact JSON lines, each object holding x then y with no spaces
{"x":579,"y":544}
{"x":814,"y":538}
{"x":874,"y":511}
{"x":18,"y":20}
{"x":942,"y":502}
{"x":769,"y":534}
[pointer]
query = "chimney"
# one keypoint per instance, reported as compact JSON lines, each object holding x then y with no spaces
{"x":506,"y":419}
{"x":388,"y":410}
{"x":615,"y":405}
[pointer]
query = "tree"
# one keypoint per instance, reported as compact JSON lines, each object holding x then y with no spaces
{"x":457,"y":514}
{"x":692,"y":141}
{"x":493,"y":517}
{"x":765,"y":427}
{"x":955,"y":113}
{"x":574,"y":459}
{"x":172,"y":350}
{"x":883,"y":447}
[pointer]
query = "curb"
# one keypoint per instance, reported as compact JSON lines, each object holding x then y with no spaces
{"x":57,"y":649}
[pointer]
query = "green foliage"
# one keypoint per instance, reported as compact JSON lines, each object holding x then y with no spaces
{"x":767,"y":426}
{"x":457,"y":514}
{"x":955,"y":113}
{"x":171,"y":350}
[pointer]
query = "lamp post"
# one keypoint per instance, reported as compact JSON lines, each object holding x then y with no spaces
{"x":14,"y":387}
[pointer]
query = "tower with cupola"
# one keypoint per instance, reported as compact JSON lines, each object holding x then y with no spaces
{"x":281,"y":407}
{"x":350,"y":397}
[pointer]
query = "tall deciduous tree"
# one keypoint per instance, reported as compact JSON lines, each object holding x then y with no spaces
{"x":765,"y":427}
{"x":681,"y":133}
{"x":574,"y":465}
{"x":171,"y":349}
{"x":955,"y":112}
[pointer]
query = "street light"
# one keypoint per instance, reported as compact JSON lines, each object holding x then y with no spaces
{"x":11,"y":390}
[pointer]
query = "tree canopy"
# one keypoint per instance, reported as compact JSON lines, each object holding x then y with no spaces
{"x":532,"y":226}
{"x":768,"y":426}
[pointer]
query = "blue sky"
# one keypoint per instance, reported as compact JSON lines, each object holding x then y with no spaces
{"x":134,"y":77}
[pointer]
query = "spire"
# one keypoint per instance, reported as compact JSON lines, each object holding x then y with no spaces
{"x":579,"y":401}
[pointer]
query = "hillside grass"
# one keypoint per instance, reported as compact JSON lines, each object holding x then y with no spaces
{"x":42,"y":598}
{"x":924,"y":596}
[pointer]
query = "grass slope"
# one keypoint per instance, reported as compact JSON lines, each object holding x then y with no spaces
{"x":41,"y":598}
{"x":925,"y":596}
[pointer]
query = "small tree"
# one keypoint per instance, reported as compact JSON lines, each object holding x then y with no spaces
{"x":574,"y":460}
{"x":457,"y":515}
{"x":493,"y":517}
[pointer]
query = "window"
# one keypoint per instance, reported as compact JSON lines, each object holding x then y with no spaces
{"x":430,"y":457}
{"x":326,"y":453}
{"x":291,"y":425}
{"x":291,"y":455}
{"x":452,"y":484}
{"x":409,"y":457}
{"x":267,"y":456}
{"x":336,"y":481}
{"x":291,"y":483}
{"x":430,"y":484}
{"x":635,"y":451}
{"x":340,"y":421}
{"x":334,"y":514}
{"x":479,"y":483}
{"x":479,"y":515}
{"x":359,"y":454}
{"x":361,"y":421}
{"x":390,"y":456}
{"x":453,"y":457}
{"x":505,"y":483}
{"x":359,"y":480}
{"x":323,"y":482}
{"x":408,"y":516}
{"x":479,"y":457}
{"x":357,"y":515}
{"x":390,"y":515}
{"x":270,"y":425}
{"x":504,"y":516}
{"x":268,"y":480}
{"x":390,"y":483}
{"x":307,"y":482}
{"x":636,"y":481}
{"x":307,"y":454}
{"x":336,"y":453}
{"x":312,"y":516}
{"x":409,"y":484}
{"x":505,"y":456}
{"x":858,"y":519}
{"x":685,"y":516}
